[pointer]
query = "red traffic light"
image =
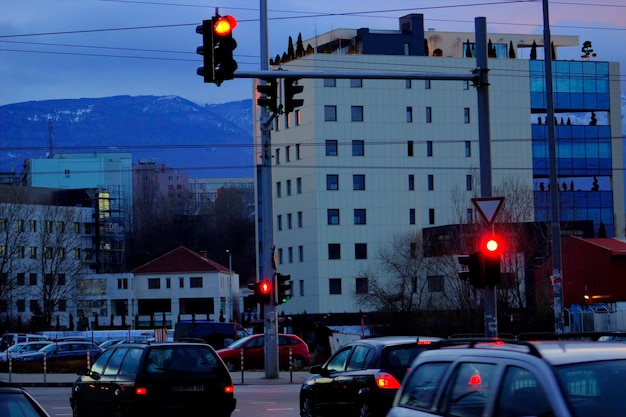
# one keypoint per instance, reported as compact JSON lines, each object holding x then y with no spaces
{"x":265,"y":287}
{"x":224,"y":25}
{"x":492,"y":245}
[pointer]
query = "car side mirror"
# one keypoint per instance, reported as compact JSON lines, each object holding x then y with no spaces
{"x":316,"y":369}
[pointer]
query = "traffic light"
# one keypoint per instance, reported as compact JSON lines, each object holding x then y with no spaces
{"x":269,"y":95}
{"x":263,"y":292}
{"x":473,"y":273}
{"x":492,"y":253}
{"x":290,"y":90}
{"x":284,"y":288}
{"x":217,"y":49}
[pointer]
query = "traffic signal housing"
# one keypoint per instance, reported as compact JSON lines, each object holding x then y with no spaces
{"x":269,"y":95}
{"x":217,"y":49}
{"x":492,"y":255}
{"x":263,"y":292}
{"x":472,"y":272}
{"x":290,"y":90}
{"x":284,"y":285}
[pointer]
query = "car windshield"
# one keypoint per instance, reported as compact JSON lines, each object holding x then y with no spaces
{"x":15,"y":348}
{"x":594,"y":388}
{"x":239,"y":343}
{"x":182,"y":359}
{"x":48,"y":348}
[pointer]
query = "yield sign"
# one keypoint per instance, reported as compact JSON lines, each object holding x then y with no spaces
{"x":488,"y":208}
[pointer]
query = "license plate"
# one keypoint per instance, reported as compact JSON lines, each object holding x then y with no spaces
{"x":188,"y":388}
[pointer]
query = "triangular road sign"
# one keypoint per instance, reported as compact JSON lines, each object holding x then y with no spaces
{"x":488,"y":208}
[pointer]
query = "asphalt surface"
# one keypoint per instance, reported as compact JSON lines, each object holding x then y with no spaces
{"x":239,"y":378}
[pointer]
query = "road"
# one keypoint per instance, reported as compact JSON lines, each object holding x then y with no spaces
{"x":252,"y":400}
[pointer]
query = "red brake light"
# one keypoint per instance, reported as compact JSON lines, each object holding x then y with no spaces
{"x":386,"y":381}
{"x":424,"y":342}
{"x":141,"y":391}
{"x":229,"y":389}
{"x":474,"y":380}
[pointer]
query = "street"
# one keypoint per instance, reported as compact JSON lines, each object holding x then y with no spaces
{"x":252,"y":400}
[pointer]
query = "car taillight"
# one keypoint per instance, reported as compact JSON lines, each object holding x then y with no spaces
{"x":386,"y":381}
{"x":141,"y":390}
{"x":229,"y":389}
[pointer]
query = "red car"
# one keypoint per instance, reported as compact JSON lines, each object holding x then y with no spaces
{"x":254,"y":352}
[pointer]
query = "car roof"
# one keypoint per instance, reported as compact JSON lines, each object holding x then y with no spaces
{"x":564,"y":352}
{"x":383,"y":341}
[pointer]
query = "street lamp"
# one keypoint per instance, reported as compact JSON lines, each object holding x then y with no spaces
{"x":230,"y":283}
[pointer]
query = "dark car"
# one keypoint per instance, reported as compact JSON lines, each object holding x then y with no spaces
{"x":253,"y":348}
{"x":145,"y":379}
{"x":361,"y":378}
{"x":60,"y":357}
{"x":512,"y":378}
{"x":16,"y":402}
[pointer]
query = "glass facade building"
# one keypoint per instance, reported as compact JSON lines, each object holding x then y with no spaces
{"x":583,"y":142}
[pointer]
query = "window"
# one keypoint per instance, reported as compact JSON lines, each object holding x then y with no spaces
{"x":32,"y":252}
{"x":122,"y":283}
{"x":21,"y":278}
{"x":279,"y":190}
{"x":357,"y":113}
{"x":279,"y":222}
{"x":458,"y":402}
{"x":412,"y":216}
{"x":334,"y":285}
{"x":429,"y":148}
{"x":181,"y":282}
{"x":290,"y":254}
{"x":288,"y":187}
{"x":431,"y":182}
{"x":32,"y":226}
{"x":299,"y":185}
{"x":47,"y":252}
{"x":3,"y":225}
{"x":360,"y":251}
{"x":466,"y":114}
{"x":195,"y":282}
{"x":468,"y":182}
{"x":470,"y":215}
{"x":466,"y":85}
{"x":330,"y":82}
{"x":32,"y":279}
{"x":409,"y":148}
{"x":522,"y":393}
{"x":297,"y":151}
{"x":409,"y":114}
{"x":289,"y":221}
{"x":76,"y":253}
{"x":333,"y":216}
{"x":19,"y":225}
{"x":34,"y":307}
{"x":423,"y":386}
{"x":332,"y":182}
{"x":358,"y":182}
{"x":288,"y":153}
{"x":431,"y":216}
{"x":168,"y":282}
{"x":88,"y":228}
{"x":280,"y":255}
{"x":356,"y":83}
{"x":429,"y":114}
{"x":48,"y":226}
{"x":407,"y":84}
{"x":299,"y":219}
{"x":154,"y":283}
{"x":19,"y":252}
{"x":300,"y":253}
{"x":330,"y":113}
{"x":411,"y":182}
{"x":361,"y":285}
{"x":359,"y":216}
{"x":331,"y":147}
{"x":77,"y":228}
{"x":358,"y":148}
{"x":21,"y":306}
{"x":334,"y":251}
{"x":468,"y":148}
{"x":427,"y":84}
{"x":435,"y":283}
{"x":407,"y":48}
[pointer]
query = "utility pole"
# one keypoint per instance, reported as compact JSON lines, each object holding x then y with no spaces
{"x":555,"y":221}
{"x":266,"y":266}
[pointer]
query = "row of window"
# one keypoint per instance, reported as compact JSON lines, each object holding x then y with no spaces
{"x":49,"y":226}
{"x":288,"y":187}
{"x":358,"y":148}
{"x":23,"y":278}
{"x":360,"y":216}
{"x":358,"y":83}
{"x":358,"y":182}
{"x":21,"y":252}
{"x":357,"y":114}
{"x":155,"y":283}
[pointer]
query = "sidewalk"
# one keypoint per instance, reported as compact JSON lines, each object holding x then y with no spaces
{"x":66,"y":380}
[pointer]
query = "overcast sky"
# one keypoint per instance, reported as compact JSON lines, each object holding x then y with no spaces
{"x":56,"y":49}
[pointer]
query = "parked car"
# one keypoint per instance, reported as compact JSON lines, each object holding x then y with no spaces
{"x":504,"y":378}
{"x":9,"y":339}
{"x":253,"y":347}
{"x":16,"y":402}
{"x":20,"y":349}
{"x":155,"y":379}
{"x":60,"y":357}
{"x":360,"y":378}
{"x":218,"y":335}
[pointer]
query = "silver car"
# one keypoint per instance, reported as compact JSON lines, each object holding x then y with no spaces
{"x":492,"y":377}
{"x":20,"y":349}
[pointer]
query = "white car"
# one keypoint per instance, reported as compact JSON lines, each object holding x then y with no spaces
{"x":501,"y":378}
{"x":20,"y":349}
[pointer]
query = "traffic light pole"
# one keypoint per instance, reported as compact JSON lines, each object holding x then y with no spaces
{"x":266,"y":265}
{"x":484,"y":142}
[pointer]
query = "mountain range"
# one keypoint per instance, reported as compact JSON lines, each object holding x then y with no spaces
{"x":213,"y":141}
{"x":204,"y":141}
